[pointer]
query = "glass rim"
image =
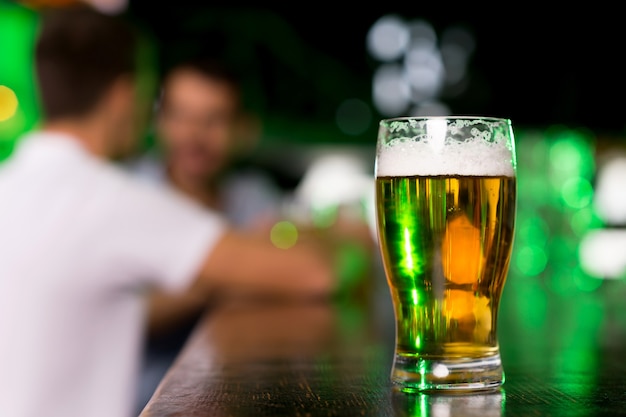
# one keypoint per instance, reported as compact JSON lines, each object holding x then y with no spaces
{"x":460,"y":117}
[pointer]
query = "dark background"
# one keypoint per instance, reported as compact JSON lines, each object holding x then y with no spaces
{"x":299,"y":62}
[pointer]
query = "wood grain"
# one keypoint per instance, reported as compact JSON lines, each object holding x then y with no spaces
{"x":334,"y":359}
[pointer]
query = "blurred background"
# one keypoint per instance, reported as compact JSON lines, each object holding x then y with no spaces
{"x":319,"y":79}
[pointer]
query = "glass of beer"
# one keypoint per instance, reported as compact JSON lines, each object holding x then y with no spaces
{"x":445,"y":208}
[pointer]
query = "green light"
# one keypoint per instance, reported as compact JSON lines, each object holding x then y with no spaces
{"x":423,"y":383}
{"x":351,"y":265}
{"x":532,"y":230}
{"x":531,"y":260}
{"x":565,"y":155}
{"x":583,"y":220}
{"x":325,"y":216}
{"x":532,"y":303}
{"x":418,"y":342}
{"x":415,"y":297}
{"x":410,"y":263}
{"x":423,"y":405}
{"x":561,"y":281}
{"x":563,"y":249}
{"x":585,"y":282}
{"x":284,"y":235}
{"x":8,"y":103}
{"x":18,"y":28}
{"x":577,"y":192}
{"x":572,"y":151}
{"x":408,"y":249}
{"x":406,"y":231}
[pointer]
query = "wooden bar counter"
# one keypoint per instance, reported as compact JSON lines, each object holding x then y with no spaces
{"x":563,"y":355}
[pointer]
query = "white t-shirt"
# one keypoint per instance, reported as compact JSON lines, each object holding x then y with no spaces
{"x":80,"y":242}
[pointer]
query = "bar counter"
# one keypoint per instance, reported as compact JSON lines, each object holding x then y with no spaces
{"x":564,"y":355}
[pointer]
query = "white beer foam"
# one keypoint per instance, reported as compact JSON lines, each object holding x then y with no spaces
{"x":406,"y":157}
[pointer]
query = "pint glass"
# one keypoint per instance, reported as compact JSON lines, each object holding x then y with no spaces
{"x":445,"y":208}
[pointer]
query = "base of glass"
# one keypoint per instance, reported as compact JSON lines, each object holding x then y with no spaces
{"x":417,"y":374}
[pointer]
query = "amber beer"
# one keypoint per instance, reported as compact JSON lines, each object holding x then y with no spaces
{"x":446,"y":241}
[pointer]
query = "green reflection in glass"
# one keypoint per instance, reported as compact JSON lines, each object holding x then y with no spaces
{"x":416,"y":297}
{"x":411,"y":265}
{"x":423,"y":405}
{"x":407,"y":260}
{"x":404,"y":202}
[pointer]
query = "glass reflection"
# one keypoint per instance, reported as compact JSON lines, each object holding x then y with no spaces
{"x":432,"y":405}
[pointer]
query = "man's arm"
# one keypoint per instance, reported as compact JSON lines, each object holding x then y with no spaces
{"x":248,"y":265}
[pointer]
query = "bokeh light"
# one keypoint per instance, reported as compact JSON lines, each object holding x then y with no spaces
{"x":19,"y":107}
{"x":105,"y":6}
{"x":610,"y":200}
{"x":530,"y":260}
{"x":417,"y":66}
{"x":391,"y":93}
{"x":8,"y":103}
{"x":284,"y":235}
{"x":577,"y":192}
{"x":424,"y":71}
{"x":603,"y":253}
{"x":556,"y":169}
{"x":387,"y":38}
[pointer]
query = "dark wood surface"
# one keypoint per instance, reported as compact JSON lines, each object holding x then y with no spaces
{"x":563,"y":355}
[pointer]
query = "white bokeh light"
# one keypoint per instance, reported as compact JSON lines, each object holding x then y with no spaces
{"x":424,"y":71}
{"x":434,"y":67}
{"x":391,"y":93}
{"x":602,"y":253}
{"x":441,"y":371}
{"x":109,"y":6}
{"x":388,"y":38}
{"x":610,"y":198}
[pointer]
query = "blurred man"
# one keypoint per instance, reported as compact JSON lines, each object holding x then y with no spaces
{"x":82,"y":241}
{"x":202,"y":132}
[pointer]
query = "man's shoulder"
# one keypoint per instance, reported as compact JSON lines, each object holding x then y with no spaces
{"x":65,"y":159}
